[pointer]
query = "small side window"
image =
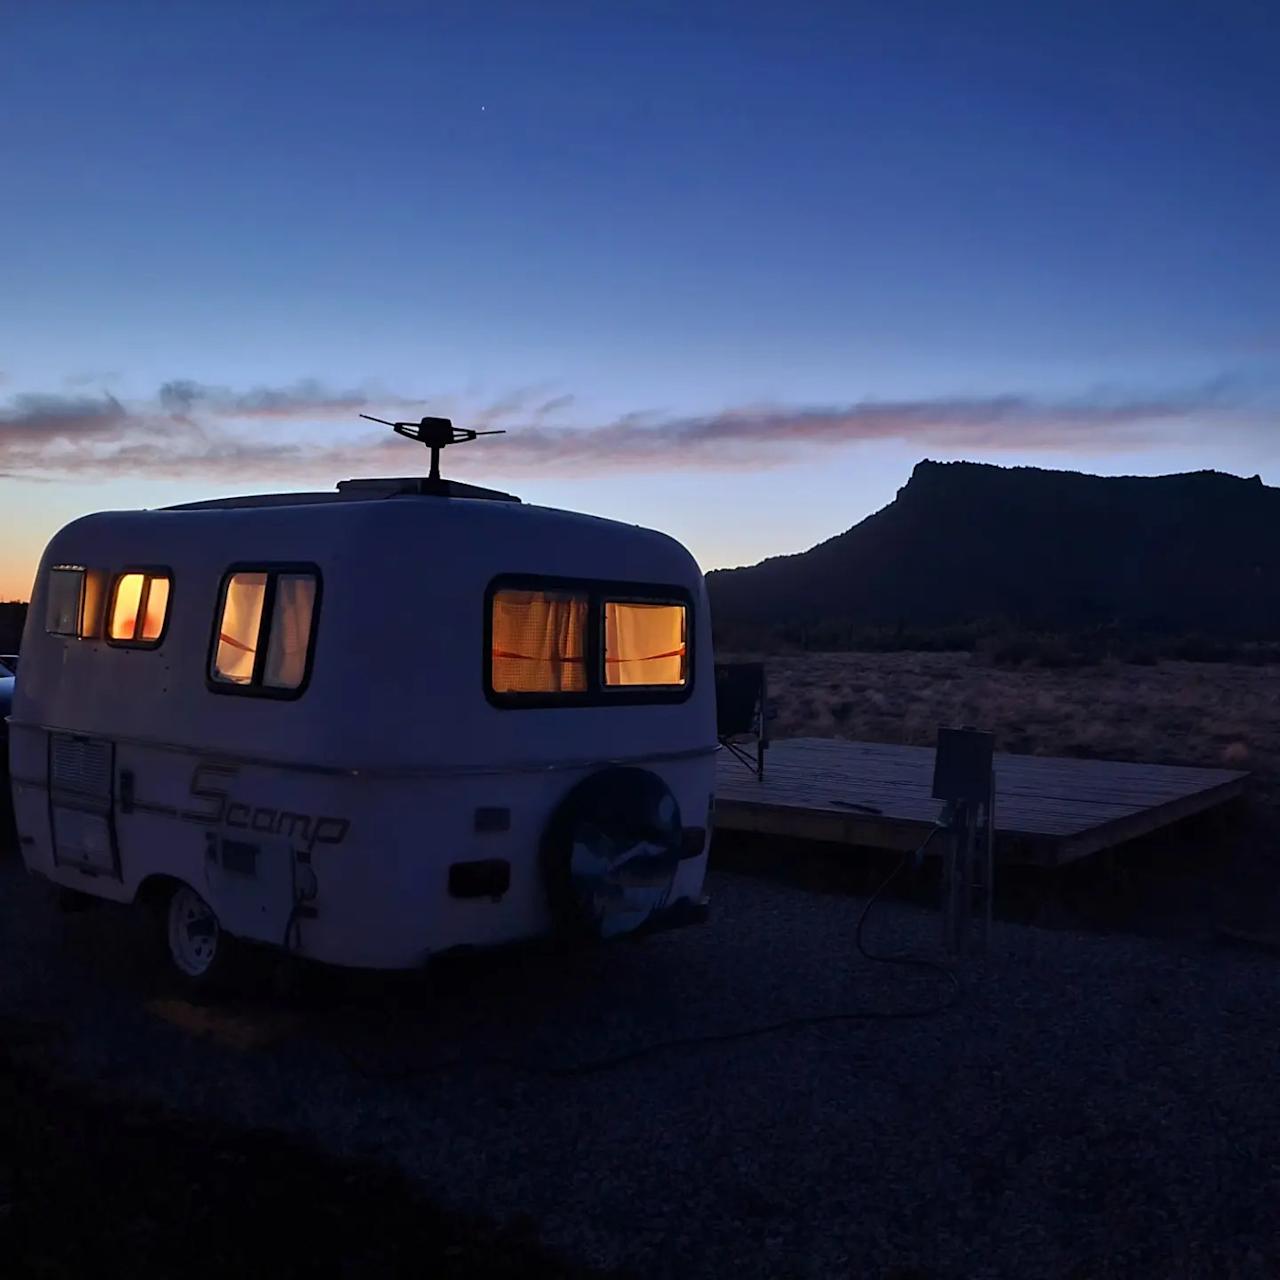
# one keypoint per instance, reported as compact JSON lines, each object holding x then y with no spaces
{"x":645,"y":644}
{"x":266,"y":624}
{"x":73,"y":605}
{"x":139,"y":608}
{"x":64,"y":608}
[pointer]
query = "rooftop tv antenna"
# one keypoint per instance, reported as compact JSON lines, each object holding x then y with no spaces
{"x":435,"y":433}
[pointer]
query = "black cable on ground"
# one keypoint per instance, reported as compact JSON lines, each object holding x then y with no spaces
{"x":911,"y":962}
{"x":594,"y":1066}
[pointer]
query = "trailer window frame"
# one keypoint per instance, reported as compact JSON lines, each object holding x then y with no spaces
{"x":148,"y":572}
{"x":94,"y":584}
{"x":599,"y":592}
{"x":255,"y":686}
{"x":78,"y":625}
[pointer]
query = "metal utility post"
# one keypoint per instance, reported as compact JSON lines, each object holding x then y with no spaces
{"x":964,"y":778}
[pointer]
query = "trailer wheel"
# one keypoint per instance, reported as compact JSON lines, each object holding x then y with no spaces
{"x":198,"y":948}
{"x":610,"y":853}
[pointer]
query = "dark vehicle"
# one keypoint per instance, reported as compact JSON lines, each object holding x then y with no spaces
{"x":6,"y":702}
{"x":6,"y":803}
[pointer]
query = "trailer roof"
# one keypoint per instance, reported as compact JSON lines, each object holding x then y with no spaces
{"x":372,"y":490}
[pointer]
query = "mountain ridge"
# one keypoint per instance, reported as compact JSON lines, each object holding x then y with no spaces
{"x":964,"y":543}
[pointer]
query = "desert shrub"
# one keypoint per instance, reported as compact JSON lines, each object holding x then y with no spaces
{"x":1004,"y":643}
{"x":1198,"y":648}
{"x":1048,"y":652}
{"x":1138,"y":655}
{"x":1008,"y":651}
{"x":1261,"y":654}
{"x":836,"y":636}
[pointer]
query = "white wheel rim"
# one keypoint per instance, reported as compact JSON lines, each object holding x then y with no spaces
{"x":193,"y":932}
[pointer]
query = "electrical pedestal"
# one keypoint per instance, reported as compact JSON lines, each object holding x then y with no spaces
{"x":964,"y":779}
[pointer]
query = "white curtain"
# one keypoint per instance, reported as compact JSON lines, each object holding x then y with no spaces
{"x":644,"y":644}
{"x":239,"y":629}
{"x":290,"y":631}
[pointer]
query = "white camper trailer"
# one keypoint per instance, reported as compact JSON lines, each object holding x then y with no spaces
{"x":368,"y":726}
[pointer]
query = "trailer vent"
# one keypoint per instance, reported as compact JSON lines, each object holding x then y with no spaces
{"x":80,"y":775}
{"x":81,"y":766}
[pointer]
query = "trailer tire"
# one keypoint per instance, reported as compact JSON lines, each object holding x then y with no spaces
{"x":201,"y":954}
{"x":611,"y":852}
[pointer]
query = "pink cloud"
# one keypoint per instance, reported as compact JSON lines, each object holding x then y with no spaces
{"x":190,"y":428}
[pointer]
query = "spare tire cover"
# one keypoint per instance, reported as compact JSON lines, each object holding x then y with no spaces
{"x":611,"y":852}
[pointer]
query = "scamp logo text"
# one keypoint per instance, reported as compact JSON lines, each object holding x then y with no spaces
{"x":210,"y":786}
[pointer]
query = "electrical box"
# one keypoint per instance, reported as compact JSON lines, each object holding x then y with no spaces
{"x":962,"y":766}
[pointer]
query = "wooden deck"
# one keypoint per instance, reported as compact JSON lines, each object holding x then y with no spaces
{"x":1049,"y":811}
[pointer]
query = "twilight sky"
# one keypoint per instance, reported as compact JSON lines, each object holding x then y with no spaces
{"x":728,"y":270}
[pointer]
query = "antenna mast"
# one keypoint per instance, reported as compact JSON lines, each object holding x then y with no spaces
{"x":435,"y":433}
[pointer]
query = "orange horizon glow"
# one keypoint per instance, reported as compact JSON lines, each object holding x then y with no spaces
{"x":20,"y":550}
{"x":16,"y":583}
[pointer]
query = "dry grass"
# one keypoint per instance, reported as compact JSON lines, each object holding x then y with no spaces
{"x":1171,"y":713}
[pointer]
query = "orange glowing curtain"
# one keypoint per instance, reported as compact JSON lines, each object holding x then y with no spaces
{"x":128,"y":607}
{"x":645,"y":644}
{"x":156,"y":608}
{"x":124,"y":608}
{"x":539,"y":642}
{"x":138,"y":607}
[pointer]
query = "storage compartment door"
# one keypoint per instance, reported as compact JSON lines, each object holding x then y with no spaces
{"x":80,"y":809}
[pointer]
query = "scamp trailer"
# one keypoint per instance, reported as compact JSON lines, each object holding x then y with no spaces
{"x":368,"y":726}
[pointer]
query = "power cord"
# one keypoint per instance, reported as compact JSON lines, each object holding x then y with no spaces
{"x":595,"y":1066}
{"x":911,"y":962}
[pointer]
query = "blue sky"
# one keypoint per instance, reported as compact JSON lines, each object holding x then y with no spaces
{"x":867,"y":233}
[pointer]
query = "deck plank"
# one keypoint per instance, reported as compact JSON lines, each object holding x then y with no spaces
{"x":1049,"y":809}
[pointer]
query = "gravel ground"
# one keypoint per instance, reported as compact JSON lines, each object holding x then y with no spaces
{"x":92,"y":1182}
{"x":1094,"y":1106}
